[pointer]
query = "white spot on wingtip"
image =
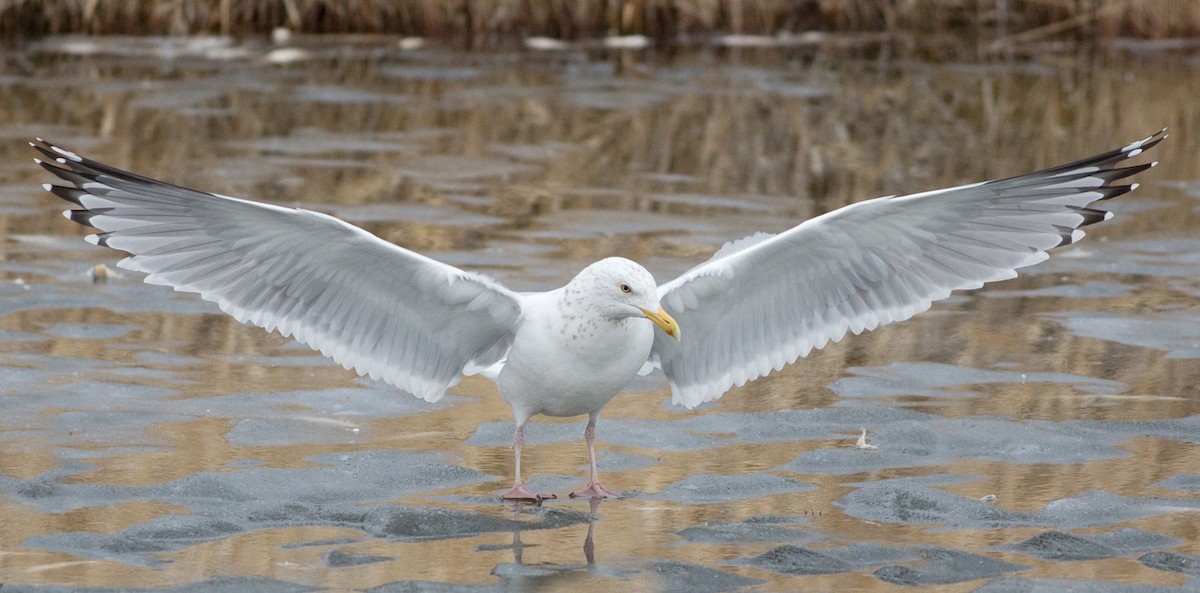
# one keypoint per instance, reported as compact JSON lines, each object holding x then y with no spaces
{"x":37,"y":161}
{"x":1108,"y":215}
{"x":60,"y":160}
{"x":1077,"y":234}
{"x":1154,"y":164}
{"x":46,"y":186}
{"x":93,"y":239}
{"x":1134,"y":152}
{"x":67,"y":214}
{"x":66,"y":153}
{"x":1134,"y":186}
{"x":32,"y":145}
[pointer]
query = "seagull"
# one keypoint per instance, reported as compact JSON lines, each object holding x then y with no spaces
{"x":759,"y":304}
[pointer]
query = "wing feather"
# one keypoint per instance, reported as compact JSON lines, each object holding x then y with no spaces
{"x":762,"y":302}
{"x":370,"y":305}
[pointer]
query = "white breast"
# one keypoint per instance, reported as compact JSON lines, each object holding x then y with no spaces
{"x":562,"y":366}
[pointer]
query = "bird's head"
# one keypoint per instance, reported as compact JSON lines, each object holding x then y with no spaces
{"x":619,"y":288}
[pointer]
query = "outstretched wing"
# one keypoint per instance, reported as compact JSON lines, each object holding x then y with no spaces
{"x":380,"y":309}
{"x":763,"y":302}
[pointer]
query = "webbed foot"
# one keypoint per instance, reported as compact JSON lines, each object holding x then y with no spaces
{"x":520,"y":492}
{"x":595,"y":490}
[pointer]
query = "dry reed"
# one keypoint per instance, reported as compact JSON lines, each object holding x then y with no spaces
{"x":490,"y":22}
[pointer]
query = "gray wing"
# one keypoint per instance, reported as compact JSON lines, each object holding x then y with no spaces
{"x":765,"y":301}
{"x":370,"y":305}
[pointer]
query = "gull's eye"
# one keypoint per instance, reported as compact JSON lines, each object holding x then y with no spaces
{"x":625,"y":289}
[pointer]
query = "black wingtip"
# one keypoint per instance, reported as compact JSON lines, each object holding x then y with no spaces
{"x":70,"y":194}
{"x":1093,"y":215}
{"x":83,"y":217}
{"x":1065,"y":234}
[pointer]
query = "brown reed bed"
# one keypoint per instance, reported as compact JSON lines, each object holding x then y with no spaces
{"x":495,"y":22}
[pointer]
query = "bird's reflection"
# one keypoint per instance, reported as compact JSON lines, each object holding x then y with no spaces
{"x":520,"y":576}
{"x":589,"y":546}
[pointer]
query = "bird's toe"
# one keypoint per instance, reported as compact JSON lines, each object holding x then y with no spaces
{"x":521,"y":493}
{"x":595,"y":490}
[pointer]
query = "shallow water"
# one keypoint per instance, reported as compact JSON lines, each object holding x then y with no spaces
{"x":148,"y":441}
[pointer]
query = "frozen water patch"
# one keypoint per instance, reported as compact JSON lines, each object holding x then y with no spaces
{"x":1093,"y":289}
{"x":633,"y":433}
{"x":244,"y":499}
{"x":294,"y":430}
{"x":942,"y":440}
{"x":611,"y":461}
{"x":1031,"y":585}
{"x":1060,"y":546}
{"x":17,"y":336}
{"x":342,"y":479}
{"x":121,"y":428}
{"x":712,"y":488}
{"x":434,"y":587}
{"x":124,"y":414}
{"x":431,"y":523}
{"x":340,"y":559}
{"x":941,"y":566}
{"x":1166,"y":258}
{"x":708,"y":430}
{"x":220,"y":584}
{"x":940,"y":380}
{"x":767,"y":528}
{"x":893,"y":501}
{"x":1177,"y":333}
{"x":1179,"y":429}
{"x":1172,"y":562}
{"x":673,"y":575}
{"x":121,"y":298}
{"x":801,"y":560}
{"x":1181,"y":482}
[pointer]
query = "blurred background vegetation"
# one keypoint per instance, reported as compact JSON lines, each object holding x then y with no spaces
{"x":495,"y":22}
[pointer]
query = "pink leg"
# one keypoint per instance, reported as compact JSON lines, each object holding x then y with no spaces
{"x":593,"y":489}
{"x":519,"y":491}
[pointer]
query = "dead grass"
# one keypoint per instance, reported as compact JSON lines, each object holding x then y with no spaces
{"x":487,"y":22}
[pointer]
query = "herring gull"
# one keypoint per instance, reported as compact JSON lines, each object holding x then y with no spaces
{"x":758,"y":304}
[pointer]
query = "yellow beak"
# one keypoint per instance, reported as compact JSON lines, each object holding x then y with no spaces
{"x":663,"y":320}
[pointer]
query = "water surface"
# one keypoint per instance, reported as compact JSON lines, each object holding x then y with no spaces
{"x":148,"y":441}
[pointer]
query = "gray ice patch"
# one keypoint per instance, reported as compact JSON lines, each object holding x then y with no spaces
{"x":945,"y":380}
{"x":1060,"y":546}
{"x":1180,"y":482}
{"x":941,"y":566}
{"x":1175,"y":332}
{"x":940,"y":440}
{"x":1032,"y":585}
{"x":754,"y":529}
{"x":898,"y":502}
{"x":801,"y":560}
{"x":712,"y":488}
{"x":89,"y":331}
